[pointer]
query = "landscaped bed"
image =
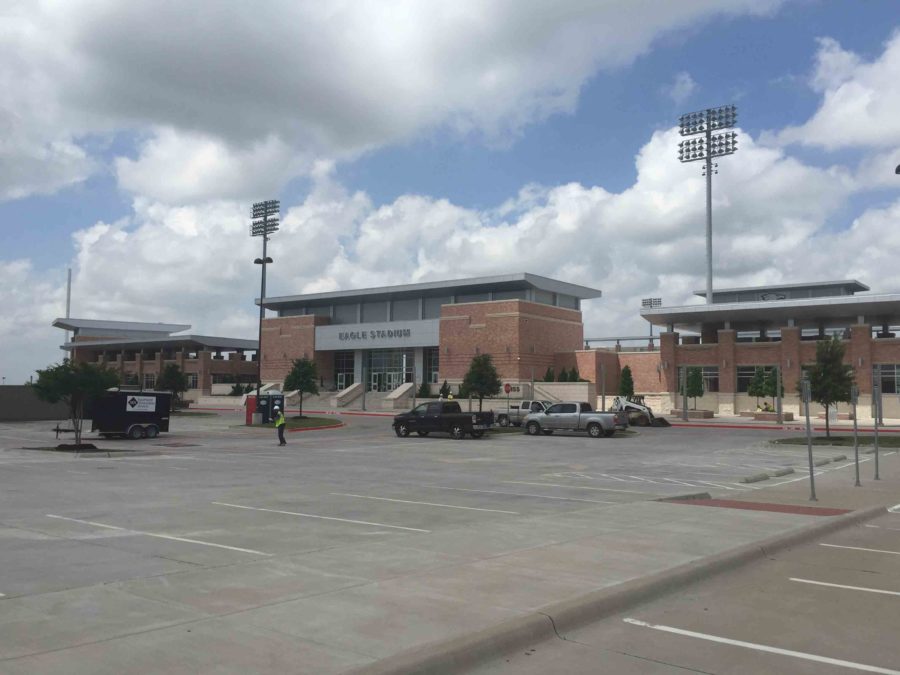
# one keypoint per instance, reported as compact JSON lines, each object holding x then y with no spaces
{"x":305,"y":423}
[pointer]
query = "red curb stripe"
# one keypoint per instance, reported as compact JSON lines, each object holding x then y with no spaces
{"x":764,"y":506}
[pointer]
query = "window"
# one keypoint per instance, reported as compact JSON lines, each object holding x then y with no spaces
{"x":374,"y":312}
{"x":421,"y":410}
{"x":432,"y":307}
{"x":192,"y":381}
{"x":405,"y":310}
{"x":432,"y":364}
{"x":473,"y":297}
{"x":561,"y":408}
{"x":586,"y":407}
{"x":543,"y":297}
{"x":890,"y":378}
{"x":510,"y":295}
{"x":149,"y":380}
{"x":710,"y":379}
{"x":346,"y":313}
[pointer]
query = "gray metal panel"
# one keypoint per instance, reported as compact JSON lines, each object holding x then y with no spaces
{"x":144,"y":327}
{"x":849,"y":285}
{"x":380,"y":335}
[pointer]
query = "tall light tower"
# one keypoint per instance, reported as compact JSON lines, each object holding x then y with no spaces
{"x":708,"y":146}
{"x":265,"y":222}
{"x":651,"y":303}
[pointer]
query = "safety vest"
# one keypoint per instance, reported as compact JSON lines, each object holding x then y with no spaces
{"x":279,"y":419}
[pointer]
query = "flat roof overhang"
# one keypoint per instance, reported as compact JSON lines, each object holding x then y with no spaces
{"x":849,"y":285}
{"x":806,"y":313}
{"x":102,"y":324}
{"x":168,"y":342}
{"x":503,"y":282}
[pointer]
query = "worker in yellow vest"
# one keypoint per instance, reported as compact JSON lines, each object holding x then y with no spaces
{"x":279,"y":424}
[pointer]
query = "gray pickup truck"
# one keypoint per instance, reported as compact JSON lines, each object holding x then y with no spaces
{"x":571,"y":416}
{"x":519,"y":410}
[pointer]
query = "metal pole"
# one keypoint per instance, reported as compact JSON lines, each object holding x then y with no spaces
{"x":779,"y":410}
{"x":812,"y":480}
{"x":876,"y":399}
{"x":709,"y":169}
{"x":262,"y":313}
{"x":603,"y":385}
{"x":365,"y":383}
{"x":682,"y":371}
{"x":854,"y":399}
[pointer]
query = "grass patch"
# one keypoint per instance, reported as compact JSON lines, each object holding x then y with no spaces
{"x":304,"y":422}
{"x":884,"y":441}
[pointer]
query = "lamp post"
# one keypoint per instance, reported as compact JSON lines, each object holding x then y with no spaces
{"x":705,"y":148}
{"x":264,"y":223}
{"x":651,"y":303}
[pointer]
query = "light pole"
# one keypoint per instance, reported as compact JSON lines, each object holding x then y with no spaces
{"x":651,"y":303}
{"x":265,"y":222}
{"x":705,"y":148}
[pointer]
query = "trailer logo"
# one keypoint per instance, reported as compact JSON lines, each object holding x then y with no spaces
{"x":140,"y":404}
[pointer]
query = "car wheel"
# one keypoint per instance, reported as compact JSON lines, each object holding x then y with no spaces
{"x":136,"y":432}
{"x":477,"y":434}
{"x":595,"y":430}
{"x":533,"y":428}
{"x":547,"y":432}
{"x":152,"y":431}
{"x":457,"y":432}
{"x":422,"y":433}
{"x":402,"y":430}
{"x":503,"y":421}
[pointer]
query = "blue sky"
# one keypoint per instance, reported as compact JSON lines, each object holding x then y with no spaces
{"x":406,"y":145}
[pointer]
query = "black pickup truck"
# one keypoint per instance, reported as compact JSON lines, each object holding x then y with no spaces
{"x":445,"y":416}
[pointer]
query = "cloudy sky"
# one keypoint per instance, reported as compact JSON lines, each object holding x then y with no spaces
{"x":412,"y":140}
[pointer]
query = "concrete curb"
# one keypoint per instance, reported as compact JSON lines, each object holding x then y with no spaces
{"x":782,"y":472}
{"x":755,"y":478}
{"x":456,"y":655}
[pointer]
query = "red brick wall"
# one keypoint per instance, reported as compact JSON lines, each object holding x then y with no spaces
{"x":292,"y":337}
{"x":519,"y":335}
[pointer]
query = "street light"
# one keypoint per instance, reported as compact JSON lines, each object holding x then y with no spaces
{"x":705,"y":148}
{"x":264,"y":223}
{"x":651,"y":303}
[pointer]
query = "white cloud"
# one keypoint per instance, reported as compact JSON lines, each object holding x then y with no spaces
{"x":305,"y":79}
{"x":681,"y":89}
{"x":860,"y":100}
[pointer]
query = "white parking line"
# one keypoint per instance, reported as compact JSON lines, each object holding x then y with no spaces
{"x":763,"y":648}
{"x":577,"y":487}
{"x":159,"y":536}
{"x":312,"y":515}
{"x":882,"y":527}
{"x":519,"y":494}
{"x":859,"y":548}
{"x":894,"y":509}
{"x":406,"y":501}
{"x":724,"y":487}
{"x":851,"y":588}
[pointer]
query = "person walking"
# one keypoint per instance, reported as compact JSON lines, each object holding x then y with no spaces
{"x":279,"y":424}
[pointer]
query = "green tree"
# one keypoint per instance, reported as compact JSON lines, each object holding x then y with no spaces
{"x":424,"y":390}
{"x":695,"y":384}
{"x":302,"y":378}
{"x":482,"y":379}
{"x":444,"y":391}
{"x":237,"y":390}
{"x":173,"y":380}
{"x":830,"y":378}
{"x":573,"y":375}
{"x":548,"y":376}
{"x":626,"y":383}
{"x":771,"y":385}
{"x":563,"y":375}
{"x":74,"y":384}
{"x":757,"y":386}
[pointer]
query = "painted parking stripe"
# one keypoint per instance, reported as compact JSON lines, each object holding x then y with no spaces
{"x":882,"y":527}
{"x":406,"y":501}
{"x":158,"y":536}
{"x":312,"y":515}
{"x":577,"y":487}
{"x":850,"y":588}
{"x":519,"y":494}
{"x":763,"y":648}
{"x":859,"y":548}
{"x":894,"y":509}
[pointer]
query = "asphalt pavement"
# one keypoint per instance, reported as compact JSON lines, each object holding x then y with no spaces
{"x":211,"y":549}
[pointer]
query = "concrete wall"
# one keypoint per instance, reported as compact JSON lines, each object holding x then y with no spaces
{"x":18,"y":403}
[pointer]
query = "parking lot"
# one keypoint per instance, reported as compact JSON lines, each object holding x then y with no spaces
{"x":214,"y":548}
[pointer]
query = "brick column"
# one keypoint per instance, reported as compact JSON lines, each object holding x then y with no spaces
{"x":668,"y":356}
{"x":727,"y":371}
{"x":204,"y":378}
{"x":860,"y":356}
{"x":790,"y":359}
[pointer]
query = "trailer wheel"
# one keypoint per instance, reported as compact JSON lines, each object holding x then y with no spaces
{"x":151,"y":431}
{"x":594,"y":430}
{"x":135,"y":432}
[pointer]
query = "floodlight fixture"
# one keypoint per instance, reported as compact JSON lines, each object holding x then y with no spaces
{"x":706,"y":148}
{"x":651,"y":303}
{"x":264,"y":222}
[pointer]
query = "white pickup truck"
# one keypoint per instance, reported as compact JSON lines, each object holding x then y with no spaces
{"x":518,"y":411}
{"x":572,"y":416}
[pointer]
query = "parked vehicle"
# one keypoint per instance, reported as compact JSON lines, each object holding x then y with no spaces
{"x":443,"y":416}
{"x":571,"y":416}
{"x":134,"y":414}
{"x":519,"y":410}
